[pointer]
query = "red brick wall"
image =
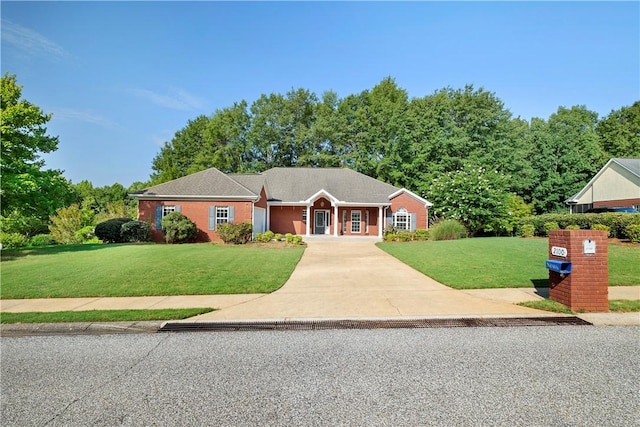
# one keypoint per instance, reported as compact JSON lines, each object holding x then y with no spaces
{"x":586,"y":288}
{"x":196,"y":211}
{"x":287,"y":219}
{"x":412,"y":205}
{"x":627,"y":203}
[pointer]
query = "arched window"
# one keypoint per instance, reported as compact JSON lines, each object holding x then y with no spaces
{"x":402,"y":219}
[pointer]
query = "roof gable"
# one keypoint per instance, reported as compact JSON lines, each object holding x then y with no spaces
{"x":632,"y":165}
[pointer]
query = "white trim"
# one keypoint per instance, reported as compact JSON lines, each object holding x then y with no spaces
{"x":335,"y":221}
{"x":573,"y":200}
{"x":308,"y":222}
{"x":366,"y":221}
{"x":327,"y":220}
{"x":380,"y":221}
{"x":426,"y":203}
{"x":321,"y":193}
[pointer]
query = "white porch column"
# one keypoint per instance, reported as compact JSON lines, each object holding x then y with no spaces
{"x":308,"y":220}
{"x":335,"y":220}
{"x":380,"y":222}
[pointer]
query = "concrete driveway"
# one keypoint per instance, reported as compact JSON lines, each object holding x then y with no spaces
{"x":351,"y":277}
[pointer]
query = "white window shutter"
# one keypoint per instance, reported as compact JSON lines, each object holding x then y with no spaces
{"x":212,"y":217}
{"x":413,"y":222}
{"x":231,"y":214}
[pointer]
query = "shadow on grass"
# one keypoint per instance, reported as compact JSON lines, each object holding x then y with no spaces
{"x":13,"y":254}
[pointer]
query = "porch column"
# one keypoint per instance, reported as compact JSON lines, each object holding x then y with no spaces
{"x":380,"y":222}
{"x":308,"y":219}
{"x":335,"y":220}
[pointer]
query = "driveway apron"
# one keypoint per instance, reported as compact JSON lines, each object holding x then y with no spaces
{"x":349,"y":277}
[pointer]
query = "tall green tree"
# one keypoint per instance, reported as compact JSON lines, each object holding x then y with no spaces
{"x":619,"y":132}
{"x":28,"y":190}
{"x":567,"y":154}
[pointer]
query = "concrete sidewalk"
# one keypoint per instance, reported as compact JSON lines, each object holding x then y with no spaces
{"x":341,"y":278}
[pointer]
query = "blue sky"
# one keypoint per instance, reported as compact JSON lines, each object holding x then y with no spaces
{"x":122,"y":77}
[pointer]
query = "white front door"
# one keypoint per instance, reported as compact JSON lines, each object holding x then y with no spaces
{"x":321,"y":222}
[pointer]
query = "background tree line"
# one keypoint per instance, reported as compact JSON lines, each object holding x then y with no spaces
{"x":416,"y":143}
{"x":459,"y":148}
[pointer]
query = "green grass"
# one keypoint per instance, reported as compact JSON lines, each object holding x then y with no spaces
{"x":616,"y":306}
{"x":501,"y":262}
{"x":102,"y":315}
{"x":148,"y":269}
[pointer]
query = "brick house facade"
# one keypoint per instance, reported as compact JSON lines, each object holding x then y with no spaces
{"x":302,"y":201}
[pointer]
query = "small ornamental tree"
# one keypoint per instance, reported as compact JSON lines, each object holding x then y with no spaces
{"x":177,"y":228}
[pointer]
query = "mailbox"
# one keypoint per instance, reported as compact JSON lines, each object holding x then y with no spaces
{"x":562,"y":267}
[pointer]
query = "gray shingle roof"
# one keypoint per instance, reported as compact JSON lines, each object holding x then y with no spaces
{"x":288,"y":185}
{"x":207,"y":183}
{"x":297,"y":184}
{"x":632,"y":165}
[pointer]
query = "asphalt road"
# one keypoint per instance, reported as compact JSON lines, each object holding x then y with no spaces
{"x":551,"y":376}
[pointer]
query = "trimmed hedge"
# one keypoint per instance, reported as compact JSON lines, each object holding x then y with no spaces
{"x":177,"y":228}
{"x":617,"y":222}
{"x":110,"y":231}
{"x":237,"y":234}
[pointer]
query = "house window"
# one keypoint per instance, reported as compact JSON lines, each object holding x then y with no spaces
{"x":344,"y":221}
{"x":222,"y":214}
{"x":304,"y":215}
{"x":355,"y":221}
{"x":166,"y":210}
{"x":402,"y":220}
{"x":366,"y":221}
{"x":582,"y":208}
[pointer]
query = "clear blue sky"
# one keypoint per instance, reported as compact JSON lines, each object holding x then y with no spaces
{"x":122,"y":77}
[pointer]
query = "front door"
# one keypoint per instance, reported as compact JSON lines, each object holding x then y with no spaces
{"x":321,"y":223}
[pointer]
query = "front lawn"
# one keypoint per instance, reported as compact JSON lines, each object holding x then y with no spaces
{"x":147,"y":269}
{"x":500,"y":262}
{"x":103,"y":315}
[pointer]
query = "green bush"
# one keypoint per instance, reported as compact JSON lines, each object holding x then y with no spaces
{"x":421,"y":234}
{"x":87,"y":233}
{"x":602,"y":227}
{"x":288,"y":238}
{"x":548,"y":226}
{"x":297,"y":240}
{"x":41,"y":240}
{"x":404,"y":236}
{"x":633,"y":233}
{"x":572,"y":227}
{"x":449,"y":229}
{"x":136,"y":231}
{"x":12,"y":240}
{"x":237,"y":234}
{"x":278,"y":237}
{"x":110,"y":231}
{"x":177,"y":228}
{"x":527,"y":230}
{"x":617,"y":222}
{"x":268,"y":236}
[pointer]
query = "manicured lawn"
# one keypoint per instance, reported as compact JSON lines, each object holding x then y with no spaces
{"x":616,"y":306}
{"x":501,"y":262}
{"x":102,"y":315}
{"x":149,"y":269}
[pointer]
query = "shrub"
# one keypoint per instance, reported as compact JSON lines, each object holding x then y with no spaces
{"x":572,"y":227}
{"x":12,"y":240}
{"x":110,"y":231}
{"x":41,"y":240}
{"x":238,"y":234}
{"x":66,"y":223}
{"x":617,"y":222}
{"x":602,"y":227}
{"x":86,"y":234}
{"x":527,"y":230}
{"x":268,"y":236}
{"x":288,"y":238}
{"x":449,"y":229}
{"x":421,"y":234}
{"x":548,"y":226}
{"x":178,"y":228}
{"x":633,"y":233}
{"x":297,"y":240}
{"x":136,"y":231}
{"x":278,"y":237}
{"x":404,"y":236}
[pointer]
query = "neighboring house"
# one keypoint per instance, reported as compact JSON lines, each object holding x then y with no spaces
{"x":617,"y":184}
{"x":303,"y":201}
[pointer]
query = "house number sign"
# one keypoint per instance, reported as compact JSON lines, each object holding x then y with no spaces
{"x":558,"y":251}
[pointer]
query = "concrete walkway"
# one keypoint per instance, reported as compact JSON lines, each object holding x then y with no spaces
{"x":338,"y":278}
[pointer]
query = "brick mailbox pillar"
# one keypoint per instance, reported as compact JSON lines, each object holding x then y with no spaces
{"x":585,"y":254}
